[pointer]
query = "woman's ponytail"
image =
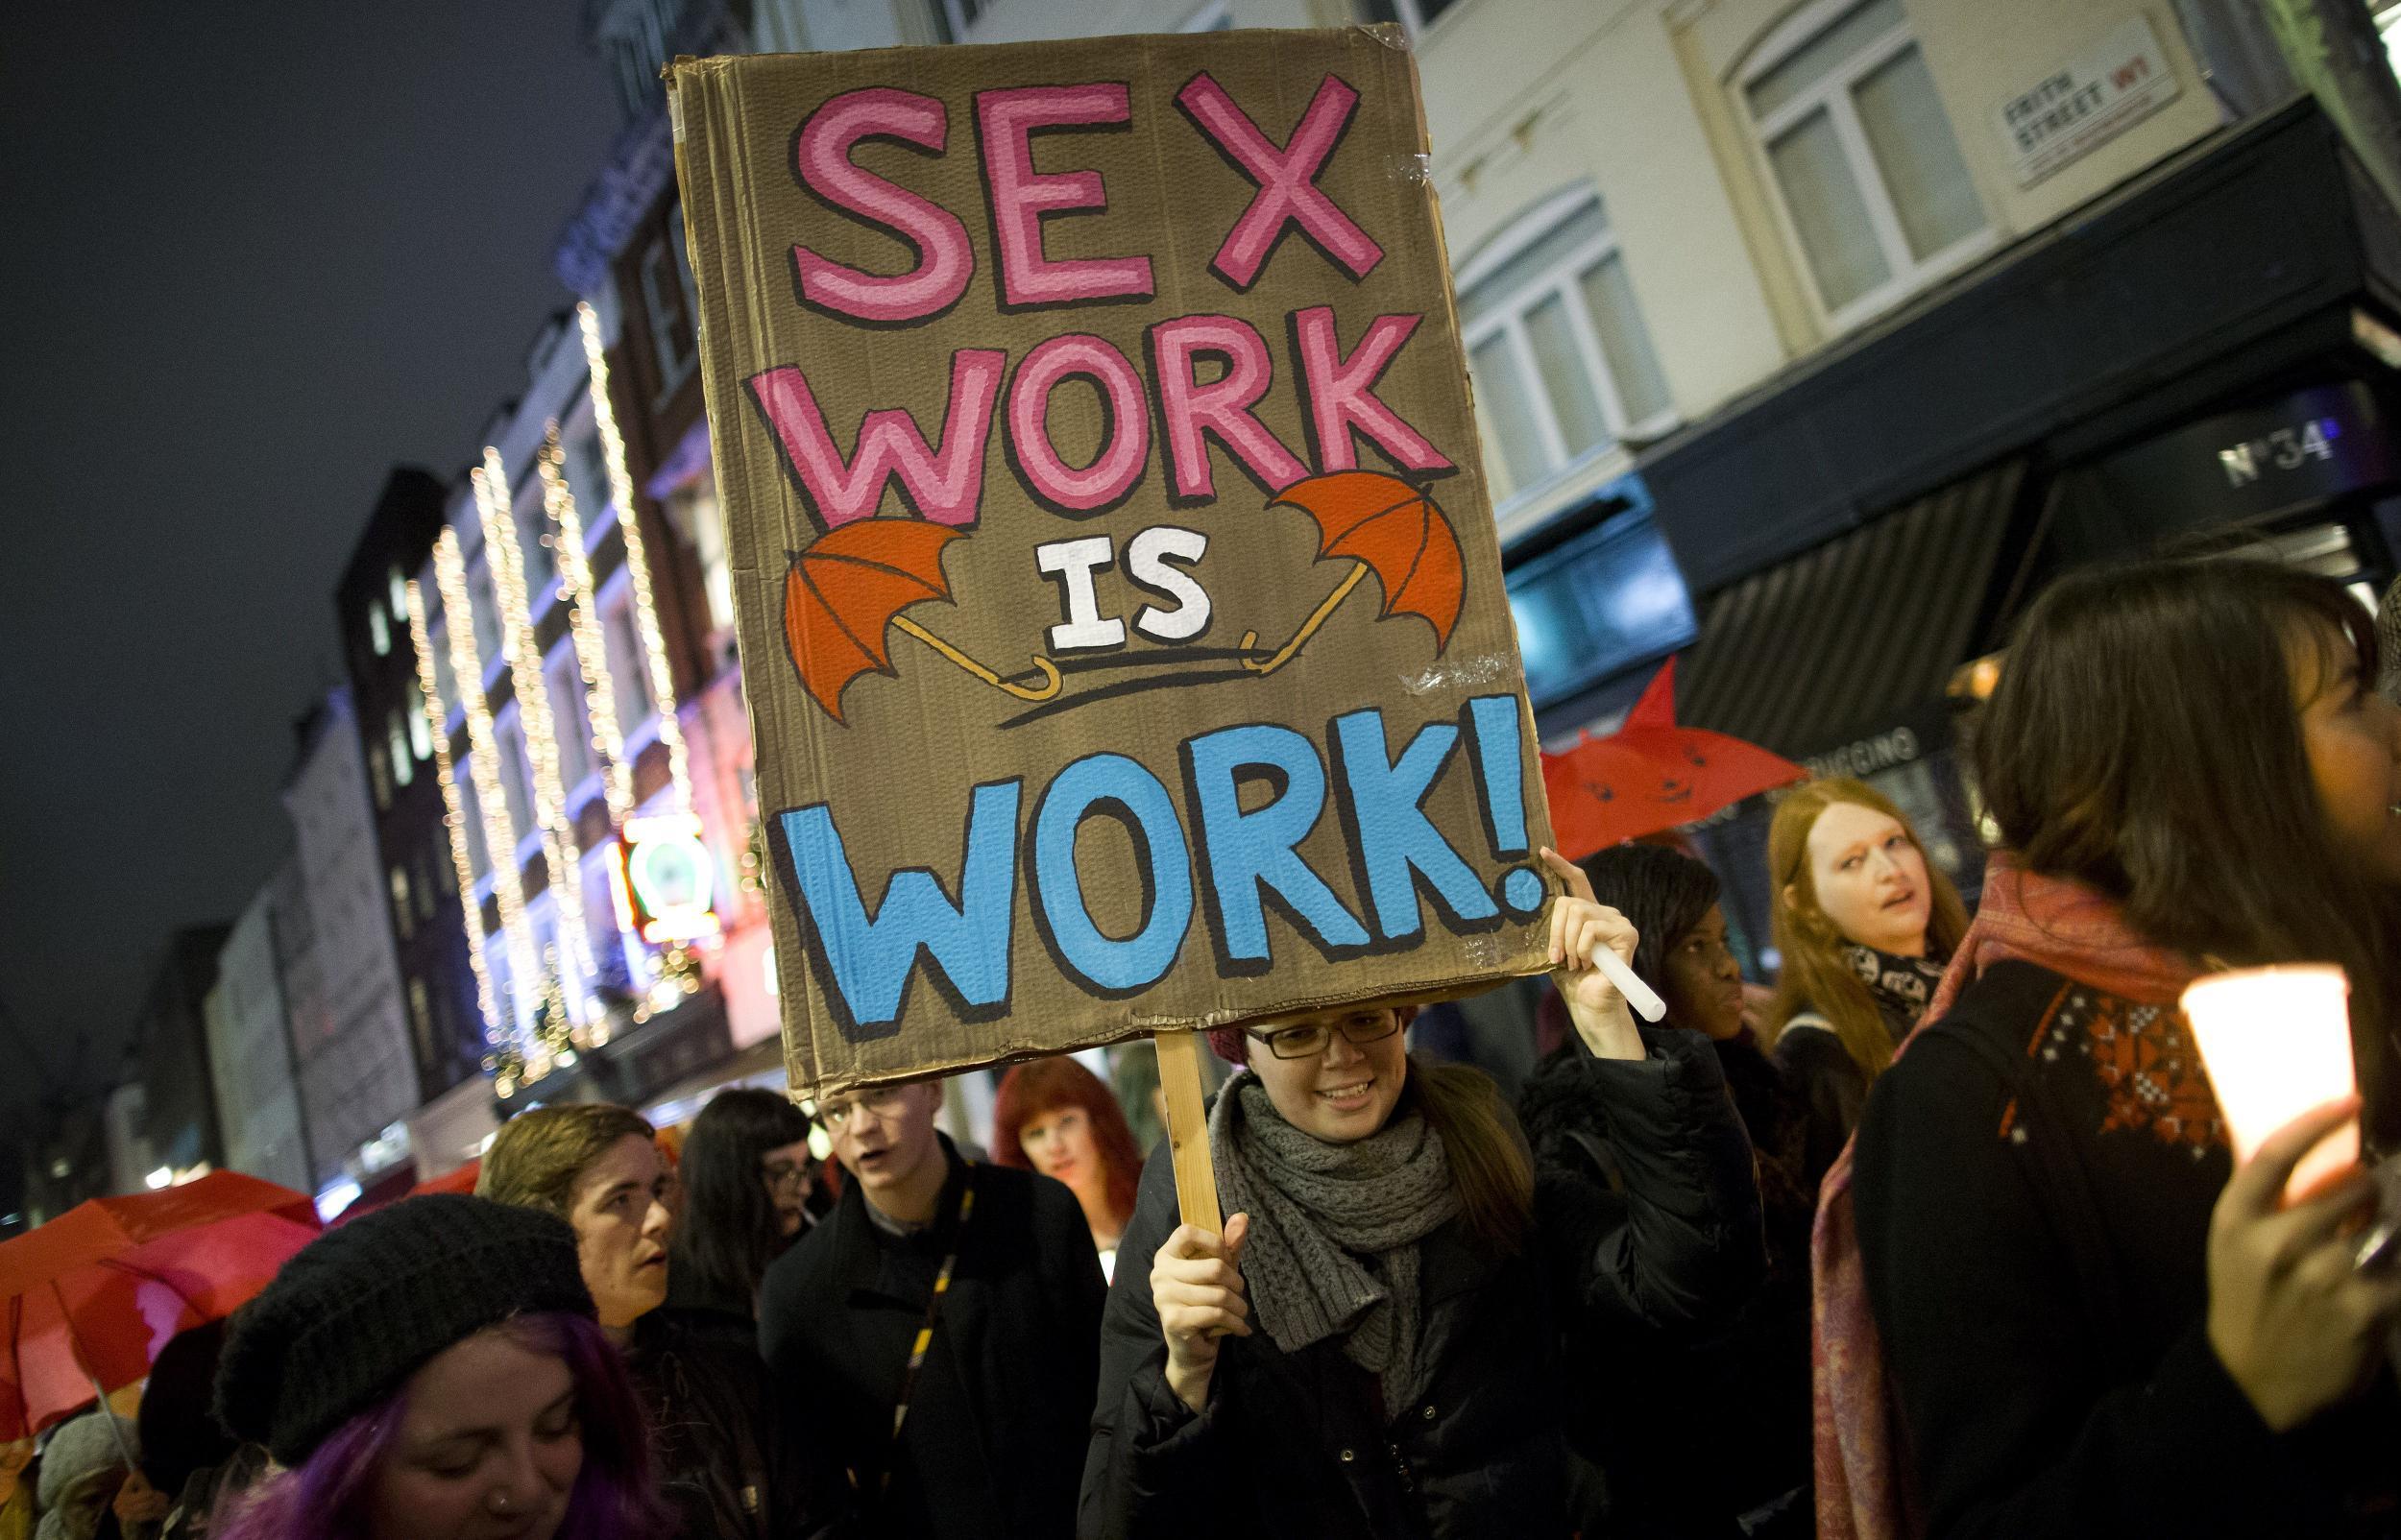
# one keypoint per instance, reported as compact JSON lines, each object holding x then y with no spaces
{"x":1489,"y":1162}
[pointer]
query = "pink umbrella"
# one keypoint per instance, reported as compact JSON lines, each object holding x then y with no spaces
{"x":88,"y":1300}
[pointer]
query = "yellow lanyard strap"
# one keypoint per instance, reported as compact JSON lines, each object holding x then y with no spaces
{"x":924,"y":1331}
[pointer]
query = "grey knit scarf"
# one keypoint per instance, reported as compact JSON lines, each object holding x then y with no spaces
{"x":1334,"y":1232}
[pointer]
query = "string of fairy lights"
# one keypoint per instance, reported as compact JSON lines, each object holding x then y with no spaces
{"x":583,"y":624}
{"x":453,"y":815}
{"x":521,"y":1055}
{"x":636,"y":558}
{"x":513,"y":1061}
{"x":561,"y":851}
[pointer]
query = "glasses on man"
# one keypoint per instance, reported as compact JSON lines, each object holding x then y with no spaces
{"x":1312,"y":1038}
{"x":878,"y":1102}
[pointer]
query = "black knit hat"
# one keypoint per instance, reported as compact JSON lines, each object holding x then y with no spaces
{"x":361,"y":1308}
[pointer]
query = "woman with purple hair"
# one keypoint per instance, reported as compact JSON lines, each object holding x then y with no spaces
{"x":434,"y":1371}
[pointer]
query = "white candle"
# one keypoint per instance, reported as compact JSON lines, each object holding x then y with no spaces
{"x":2277,"y":1042}
{"x":1640,"y":996}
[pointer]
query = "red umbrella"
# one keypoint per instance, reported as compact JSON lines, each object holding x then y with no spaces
{"x":88,"y":1300}
{"x":1652,"y":775}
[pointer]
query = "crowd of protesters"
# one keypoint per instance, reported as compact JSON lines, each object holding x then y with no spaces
{"x":1946,"y":1238}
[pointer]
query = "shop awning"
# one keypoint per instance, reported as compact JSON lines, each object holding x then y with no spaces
{"x":2231,"y":264}
{"x":1857,"y":632}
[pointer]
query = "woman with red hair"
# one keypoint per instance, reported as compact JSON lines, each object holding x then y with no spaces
{"x":1055,"y":1116}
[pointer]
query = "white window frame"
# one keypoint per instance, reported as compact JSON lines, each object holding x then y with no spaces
{"x":1563,"y":281}
{"x":616,"y":591}
{"x":666,"y":251}
{"x":595,"y":506}
{"x":420,"y":1015}
{"x":420,"y":731}
{"x":1413,"y":16}
{"x":530,"y":510}
{"x":403,"y":916}
{"x":961,"y":15}
{"x":1832,"y":95}
{"x":403,"y":759}
{"x":562,"y":661}
{"x":495,"y":665}
{"x":528,"y":841}
{"x":542,"y":913}
{"x":471,"y":825}
{"x":453,"y":703}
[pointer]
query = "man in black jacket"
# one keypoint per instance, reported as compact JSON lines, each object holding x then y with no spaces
{"x":996,"y":1267}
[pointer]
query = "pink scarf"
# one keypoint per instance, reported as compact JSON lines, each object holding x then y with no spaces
{"x":1864,"y":1491}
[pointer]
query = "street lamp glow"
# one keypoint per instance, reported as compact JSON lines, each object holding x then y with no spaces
{"x":163,"y":1177}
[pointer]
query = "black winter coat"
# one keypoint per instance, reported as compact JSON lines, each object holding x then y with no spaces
{"x":729,"y":1462}
{"x":2034,"y":1184}
{"x":1296,"y":1444}
{"x":1832,"y":1089}
{"x":1655,"y":1174}
{"x":996,"y":1423}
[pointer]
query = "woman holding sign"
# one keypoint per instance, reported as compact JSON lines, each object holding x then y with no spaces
{"x":1371,"y":1347}
{"x":2094,"y":1320}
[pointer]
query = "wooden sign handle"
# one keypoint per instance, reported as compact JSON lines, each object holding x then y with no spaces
{"x":1188,"y":1128}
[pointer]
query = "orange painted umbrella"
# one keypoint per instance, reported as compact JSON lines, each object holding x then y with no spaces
{"x":88,"y":1300}
{"x":847,"y":589}
{"x":1387,"y":527}
{"x":1652,"y":775}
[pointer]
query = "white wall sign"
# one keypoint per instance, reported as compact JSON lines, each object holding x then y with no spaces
{"x":2087,"y":101}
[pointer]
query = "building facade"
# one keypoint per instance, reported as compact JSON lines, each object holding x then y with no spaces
{"x":576,"y":638}
{"x":554,"y":625}
{"x":410,"y":814}
{"x":250,"y":1043}
{"x":351,"y":1048}
{"x":180,"y":1128}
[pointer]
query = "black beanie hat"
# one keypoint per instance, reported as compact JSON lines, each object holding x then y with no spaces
{"x":361,"y":1308}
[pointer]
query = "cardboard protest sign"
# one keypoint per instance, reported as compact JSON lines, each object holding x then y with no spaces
{"x":1120,"y":608}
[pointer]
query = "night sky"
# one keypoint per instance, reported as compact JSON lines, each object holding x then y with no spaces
{"x":255,"y":254}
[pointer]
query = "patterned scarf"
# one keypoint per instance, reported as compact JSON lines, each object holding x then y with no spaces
{"x":1334,"y":1231}
{"x":1864,"y":1491}
{"x":1902,"y":985}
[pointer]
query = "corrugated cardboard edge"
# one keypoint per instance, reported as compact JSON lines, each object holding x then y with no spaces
{"x":704,"y":73}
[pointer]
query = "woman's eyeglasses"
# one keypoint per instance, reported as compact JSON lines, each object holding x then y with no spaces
{"x":783,"y":1174}
{"x":1311,"y":1038}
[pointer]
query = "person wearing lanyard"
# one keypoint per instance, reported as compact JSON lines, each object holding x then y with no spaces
{"x":939,"y":1331}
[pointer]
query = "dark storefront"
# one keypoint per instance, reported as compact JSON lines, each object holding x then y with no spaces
{"x":1598,"y":604}
{"x":2208,"y":355}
